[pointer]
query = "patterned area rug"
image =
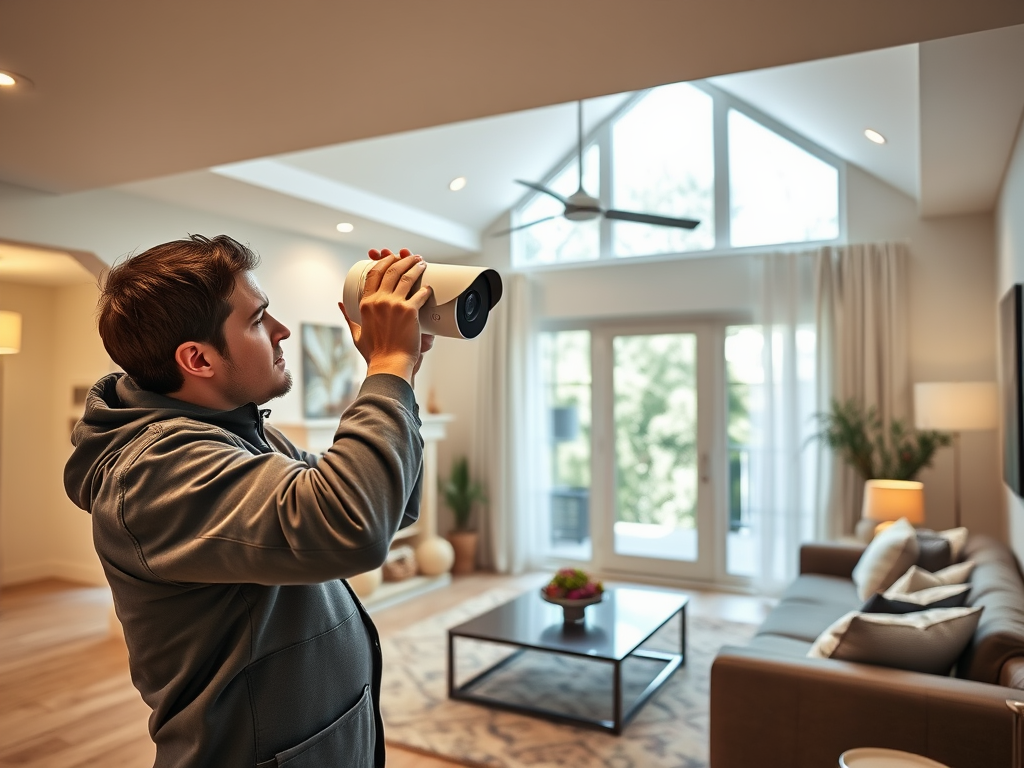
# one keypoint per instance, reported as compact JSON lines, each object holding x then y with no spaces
{"x":670,"y":731}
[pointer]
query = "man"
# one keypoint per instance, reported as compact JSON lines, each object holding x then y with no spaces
{"x":224,"y":545}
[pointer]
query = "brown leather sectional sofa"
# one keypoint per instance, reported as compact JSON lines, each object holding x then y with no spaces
{"x":772,"y":706}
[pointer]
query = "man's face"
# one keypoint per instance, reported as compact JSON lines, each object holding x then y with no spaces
{"x":253,"y":368}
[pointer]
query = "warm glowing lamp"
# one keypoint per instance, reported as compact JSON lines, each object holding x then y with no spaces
{"x":886,"y":501}
{"x":956,"y":407}
{"x":10,"y":333}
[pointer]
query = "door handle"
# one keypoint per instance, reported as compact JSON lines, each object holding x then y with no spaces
{"x":705,"y":468}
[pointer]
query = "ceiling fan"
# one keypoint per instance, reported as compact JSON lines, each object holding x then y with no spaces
{"x":580,"y":206}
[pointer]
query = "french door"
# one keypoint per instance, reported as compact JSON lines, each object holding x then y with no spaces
{"x":658,"y":408}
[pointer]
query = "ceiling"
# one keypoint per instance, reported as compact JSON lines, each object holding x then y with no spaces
{"x":303,"y":117}
{"x":126,"y":91}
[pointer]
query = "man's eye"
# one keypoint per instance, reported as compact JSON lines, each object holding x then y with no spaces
{"x":259,"y":322}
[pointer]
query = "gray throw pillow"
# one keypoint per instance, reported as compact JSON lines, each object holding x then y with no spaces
{"x":885,"y":559}
{"x":934,"y":552}
{"x":926,"y":641}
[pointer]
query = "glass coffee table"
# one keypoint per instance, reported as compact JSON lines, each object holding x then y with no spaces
{"x":536,"y":664}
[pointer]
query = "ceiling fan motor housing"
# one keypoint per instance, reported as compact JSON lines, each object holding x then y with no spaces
{"x":580,"y":206}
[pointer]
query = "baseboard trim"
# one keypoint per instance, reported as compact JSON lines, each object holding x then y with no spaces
{"x":81,"y":573}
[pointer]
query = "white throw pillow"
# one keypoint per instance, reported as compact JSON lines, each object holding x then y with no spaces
{"x":924,"y":641}
{"x":957,"y":538}
{"x":917,"y":578}
{"x":926,"y":596}
{"x":888,"y":555}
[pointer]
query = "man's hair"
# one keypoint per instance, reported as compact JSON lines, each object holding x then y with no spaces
{"x":156,"y":300}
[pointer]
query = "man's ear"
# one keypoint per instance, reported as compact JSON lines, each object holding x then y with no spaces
{"x":194,"y":359}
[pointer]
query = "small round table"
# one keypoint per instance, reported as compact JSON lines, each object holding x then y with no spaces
{"x":876,"y":757}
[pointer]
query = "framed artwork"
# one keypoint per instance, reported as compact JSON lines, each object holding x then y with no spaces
{"x":332,"y":370}
{"x":1012,"y":388}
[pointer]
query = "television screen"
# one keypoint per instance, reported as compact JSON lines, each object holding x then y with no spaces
{"x":1010,"y":387}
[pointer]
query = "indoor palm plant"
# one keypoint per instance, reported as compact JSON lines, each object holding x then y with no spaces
{"x":874,"y":450}
{"x":460,"y":494}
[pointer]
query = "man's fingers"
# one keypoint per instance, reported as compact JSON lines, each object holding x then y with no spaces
{"x":395,"y":272}
{"x":376,"y":274}
{"x":420,"y":298}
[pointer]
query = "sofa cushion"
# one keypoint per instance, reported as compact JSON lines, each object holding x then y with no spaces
{"x":886,"y":558}
{"x":778,"y":645}
{"x":802,"y":620}
{"x":814,"y":588}
{"x":926,"y":641}
{"x":997,"y":586}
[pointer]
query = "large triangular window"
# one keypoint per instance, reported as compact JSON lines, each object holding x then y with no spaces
{"x":687,"y":150}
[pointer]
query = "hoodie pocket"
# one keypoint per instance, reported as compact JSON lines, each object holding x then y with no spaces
{"x":348,"y":742}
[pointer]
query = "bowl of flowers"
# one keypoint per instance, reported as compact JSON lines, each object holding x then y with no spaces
{"x":573,"y":590}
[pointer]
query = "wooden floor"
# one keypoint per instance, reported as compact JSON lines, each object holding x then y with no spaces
{"x":66,"y":699}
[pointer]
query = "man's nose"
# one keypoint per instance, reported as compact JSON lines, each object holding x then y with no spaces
{"x":281,"y":331}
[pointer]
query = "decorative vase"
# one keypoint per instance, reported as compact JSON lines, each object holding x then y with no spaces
{"x":464,"y":544}
{"x":573,"y":611}
{"x":435,"y":556}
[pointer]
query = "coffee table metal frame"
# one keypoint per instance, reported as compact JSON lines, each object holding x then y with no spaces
{"x":620,"y":717}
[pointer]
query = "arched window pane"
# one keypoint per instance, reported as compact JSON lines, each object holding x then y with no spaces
{"x":560,"y":239}
{"x":779,"y":192}
{"x":664,"y":163}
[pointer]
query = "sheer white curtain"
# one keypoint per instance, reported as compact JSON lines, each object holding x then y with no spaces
{"x":789,"y":470}
{"x":508,"y":429}
{"x":834,"y":327}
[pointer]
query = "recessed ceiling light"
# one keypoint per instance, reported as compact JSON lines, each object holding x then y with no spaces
{"x":345,"y":227}
{"x":874,"y":136}
{"x":456,"y":184}
{"x":6,"y":81}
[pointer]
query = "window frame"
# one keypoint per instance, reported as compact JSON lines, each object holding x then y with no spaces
{"x":723,"y":102}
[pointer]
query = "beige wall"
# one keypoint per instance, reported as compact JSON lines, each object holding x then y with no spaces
{"x":1010,"y":250}
{"x":952,"y":335}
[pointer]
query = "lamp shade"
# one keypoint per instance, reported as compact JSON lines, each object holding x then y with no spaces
{"x":10,"y":332}
{"x":893,"y":499}
{"x":956,"y":406}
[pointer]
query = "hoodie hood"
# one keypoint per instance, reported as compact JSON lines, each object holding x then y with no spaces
{"x":117,"y":411}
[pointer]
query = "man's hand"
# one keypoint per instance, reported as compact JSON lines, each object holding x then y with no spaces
{"x":389,"y":338}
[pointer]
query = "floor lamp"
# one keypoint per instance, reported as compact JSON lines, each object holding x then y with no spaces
{"x":956,"y":407}
{"x":10,"y":344}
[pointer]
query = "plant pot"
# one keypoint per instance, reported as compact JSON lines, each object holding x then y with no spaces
{"x":464,"y":544}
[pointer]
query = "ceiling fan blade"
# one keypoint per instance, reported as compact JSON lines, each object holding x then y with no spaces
{"x":523,"y":226}
{"x":648,"y":218}
{"x":542,"y":188}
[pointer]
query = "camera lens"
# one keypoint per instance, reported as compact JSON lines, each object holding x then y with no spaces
{"x":472,"y":305}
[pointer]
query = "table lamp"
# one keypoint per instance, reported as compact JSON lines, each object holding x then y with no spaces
{"x":956,"y":407}
{"x":886,"y":501}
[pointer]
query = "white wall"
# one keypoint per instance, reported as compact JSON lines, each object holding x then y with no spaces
{"x":1010,"y":250}
{"x":41,"y":532}
{"x":951,"y":315}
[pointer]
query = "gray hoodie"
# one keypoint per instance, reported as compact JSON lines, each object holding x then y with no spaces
{"x":225,"y":545}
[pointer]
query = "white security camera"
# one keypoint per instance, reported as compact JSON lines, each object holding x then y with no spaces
{"x":460,"y":301}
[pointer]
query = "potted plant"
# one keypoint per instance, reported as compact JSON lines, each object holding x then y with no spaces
{"x":877,"y":452}
{"x":460,"y":494}
{"x":874,"y":451}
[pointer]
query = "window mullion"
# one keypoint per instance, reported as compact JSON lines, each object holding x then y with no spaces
{"x":604,"y":141}
{"x":723,"y":236}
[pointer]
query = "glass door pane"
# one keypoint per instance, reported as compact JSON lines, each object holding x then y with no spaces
{"x":567,"y":382}
{"x":655,"y":446}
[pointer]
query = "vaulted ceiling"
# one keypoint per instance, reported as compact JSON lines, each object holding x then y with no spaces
{"x":151,"y":97}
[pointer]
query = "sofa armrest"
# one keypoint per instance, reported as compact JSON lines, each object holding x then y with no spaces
{"x":804,"y":713}
{"x":830,"y":558}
